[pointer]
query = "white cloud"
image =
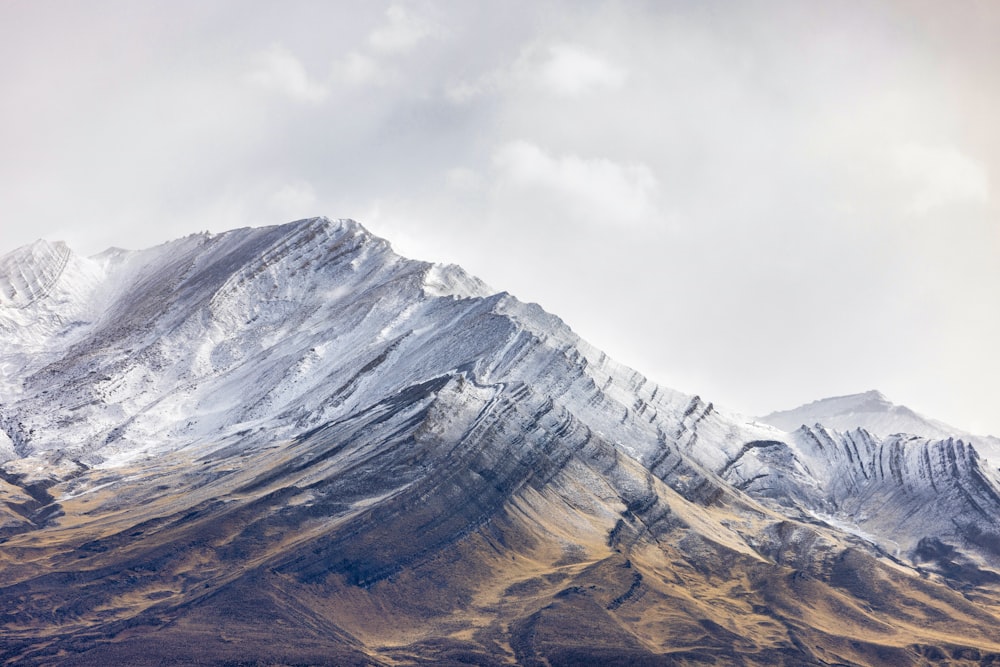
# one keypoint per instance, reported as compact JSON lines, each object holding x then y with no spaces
{"x":293,"y":200}
{"x":593,"y":188}
{"x":563,"y":70}
{"x":358,"y":69}
{"x":571,"y":71}
{"x":939,"y":176}
{"x":277,"y":69}
{"x":465,"y":91}
{"x":402,"y":32}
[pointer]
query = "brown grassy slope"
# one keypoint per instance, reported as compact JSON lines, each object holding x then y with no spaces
{"x":562,"y":573}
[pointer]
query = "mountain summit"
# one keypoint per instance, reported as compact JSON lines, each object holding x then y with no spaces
{"x":876,"y":414}
{"x":291,"y":445}
{"x":870,"y":410}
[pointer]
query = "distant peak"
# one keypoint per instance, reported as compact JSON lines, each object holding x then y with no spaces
{"x":869,"y":400}
{"x":870,"y":410}
{"x":871,"y":396}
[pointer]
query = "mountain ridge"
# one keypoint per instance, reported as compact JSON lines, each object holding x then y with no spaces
{"x":294,"y":437}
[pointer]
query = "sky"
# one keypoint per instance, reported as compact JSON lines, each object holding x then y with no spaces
{"x":763,"y":203}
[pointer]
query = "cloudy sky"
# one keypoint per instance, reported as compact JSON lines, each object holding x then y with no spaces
{"x":763,"y":203}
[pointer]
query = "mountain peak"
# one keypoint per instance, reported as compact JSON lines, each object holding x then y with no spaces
{"x":870,"y":410}
{"x":872,"y":400}
{"x":255,"y":325}
{"x":871,"y":396}
{"x":329,"y":226}
{"x":874,"y":394}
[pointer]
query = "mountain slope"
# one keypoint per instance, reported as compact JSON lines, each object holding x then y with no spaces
{"x":918,"y":488}
{"x":290,"y":445}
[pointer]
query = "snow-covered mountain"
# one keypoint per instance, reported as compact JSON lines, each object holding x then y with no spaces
{"x":871,"y":411}
{"x":191,"y":341}
{"x":877,"y":416}
{"x":290,"y":444}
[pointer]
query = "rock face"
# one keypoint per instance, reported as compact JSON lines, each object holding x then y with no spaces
{"x":290,"y":445}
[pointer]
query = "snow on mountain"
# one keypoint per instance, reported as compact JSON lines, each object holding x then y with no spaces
{"x":870,"y":410}
{"x":879,"y":416}
{"x":251,"y":337}
{"x":884,"y":472}
{"x":27,"y":274}
{"x":301,"y":408}
{"x":180,"y":342}
{"x":256,"y":334}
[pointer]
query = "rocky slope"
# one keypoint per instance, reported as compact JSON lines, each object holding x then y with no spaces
{"x":290,"y":445}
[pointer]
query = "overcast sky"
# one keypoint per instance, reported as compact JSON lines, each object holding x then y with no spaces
{"x":764,"y":203}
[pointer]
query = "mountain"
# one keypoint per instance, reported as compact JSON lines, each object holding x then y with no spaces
{"x":289,"y":445}
{"x":871,"y":411}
